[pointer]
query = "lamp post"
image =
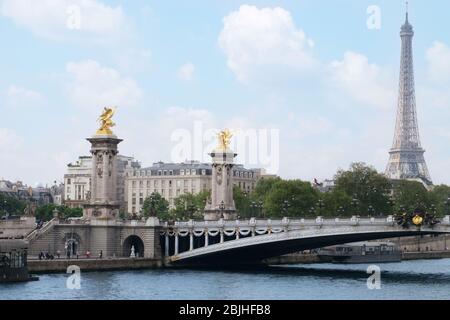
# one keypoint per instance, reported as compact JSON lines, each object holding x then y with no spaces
{"x":320,"y":205}
{"x":285,"y":207}
{"x":341,"y":211}
{"x":370,"y":211}
{"x":355,"y":203}
{"x":222,"y":209}
{"x":391,"y":204}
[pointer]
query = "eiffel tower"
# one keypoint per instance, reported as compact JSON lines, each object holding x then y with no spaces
{"x":407,"y":160}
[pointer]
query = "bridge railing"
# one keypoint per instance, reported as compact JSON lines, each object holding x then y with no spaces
{"x":282,"y":222}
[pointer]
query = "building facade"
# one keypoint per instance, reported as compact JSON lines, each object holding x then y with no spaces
{"x":39,"y":195}
{"x":77,"y":180}
{"x":171,"y":180}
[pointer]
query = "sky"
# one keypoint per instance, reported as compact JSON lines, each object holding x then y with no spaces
{"x":306,"y":86}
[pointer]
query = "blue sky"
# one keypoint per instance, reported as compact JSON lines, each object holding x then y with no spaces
{"x":310,"y":70}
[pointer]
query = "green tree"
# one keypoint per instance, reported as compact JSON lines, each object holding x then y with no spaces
{"x":45,"y":212}
{"x":243,"y":201}
{"x":156,"y":205}
{"x":264,"y":186}
{"x":365,"y":184}
{"x":440,"y":197}
{"x":189,"y":206}
{"x":300,"y":195}
{"x":337,"y":203}
{"x":11,"y":206}
{"x":410,"y":195}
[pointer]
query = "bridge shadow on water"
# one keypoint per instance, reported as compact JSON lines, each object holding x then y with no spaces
{"x":333,"y":273}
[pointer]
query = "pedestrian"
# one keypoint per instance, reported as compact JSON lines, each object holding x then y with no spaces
{"x":88,"y":254}
{"x":101,"y":254}
{"x":58,"y":254}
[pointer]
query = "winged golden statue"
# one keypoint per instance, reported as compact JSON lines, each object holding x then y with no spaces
{"x":225,"y":139}
{"x":105,"y":121}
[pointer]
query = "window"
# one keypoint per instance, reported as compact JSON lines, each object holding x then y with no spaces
{"x":181,"y":172}
{"x":68,"y":181}
{"x":204,"y":172}
{"x":141,"y":184}
{"x":165,"y":172}
{"x":133,"y":184}
{"x":193,"y":172}
{"x":141,"y":201}
{"x":170,"y":172}
{"x":159,"y":172}
{"x":148,"y":184}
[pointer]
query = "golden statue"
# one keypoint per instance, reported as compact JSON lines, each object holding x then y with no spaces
{"x":106,"y":122}
{"x":417,"y":220}
{"x":225,"y":139}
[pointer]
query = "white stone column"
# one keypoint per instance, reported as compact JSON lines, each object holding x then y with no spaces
{"x":206,"y":238}
{"x":191,"y":240}
{"x":166,"y":247}
{"x":176,"y":244}
{"x":237,"y":233}
{"x":221,"y":236}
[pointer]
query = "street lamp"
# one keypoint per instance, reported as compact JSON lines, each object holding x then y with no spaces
{"x":285,"y":207}
{"x":341,"y":211}
{"x":370,"y":211}
{"x":222,"y":209}
{"x":320,"y":205}
{"x":355,"y":203}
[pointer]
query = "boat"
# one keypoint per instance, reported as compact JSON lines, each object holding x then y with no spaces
{"x":13,"y":261}
{"x":361,"y":252}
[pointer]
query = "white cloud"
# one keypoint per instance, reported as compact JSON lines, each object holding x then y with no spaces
{"x":59,"y":19}
{"x":186,"y":72}
{"x":438,"y":57}
{"x":9,"y":141}
{"x":255,"y":40}
{"x":21,"y":97}
{"x":95,"y":86}
{"x":366,"y":83}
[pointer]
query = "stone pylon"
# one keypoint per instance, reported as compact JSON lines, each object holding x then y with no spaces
{"x":221,"y":204}
{"x":103,"y":202}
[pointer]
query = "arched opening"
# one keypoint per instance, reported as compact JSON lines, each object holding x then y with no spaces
{"x":72,"y":245}
{"x":133,"y":243}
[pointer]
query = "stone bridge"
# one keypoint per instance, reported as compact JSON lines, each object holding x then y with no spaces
{"x":250,"y":241}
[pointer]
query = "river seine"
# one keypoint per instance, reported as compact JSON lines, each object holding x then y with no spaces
{"x":407,"y":280}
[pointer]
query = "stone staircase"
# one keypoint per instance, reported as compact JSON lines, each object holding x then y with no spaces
{"x":42,"y":239}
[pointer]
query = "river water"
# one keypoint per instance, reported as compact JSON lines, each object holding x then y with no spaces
{"x":417,"y":280}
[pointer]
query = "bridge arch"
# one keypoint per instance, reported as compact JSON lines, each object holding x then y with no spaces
{"x":133,"y":241}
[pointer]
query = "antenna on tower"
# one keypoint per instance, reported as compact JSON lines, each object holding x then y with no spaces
{"x":407,"y":10}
